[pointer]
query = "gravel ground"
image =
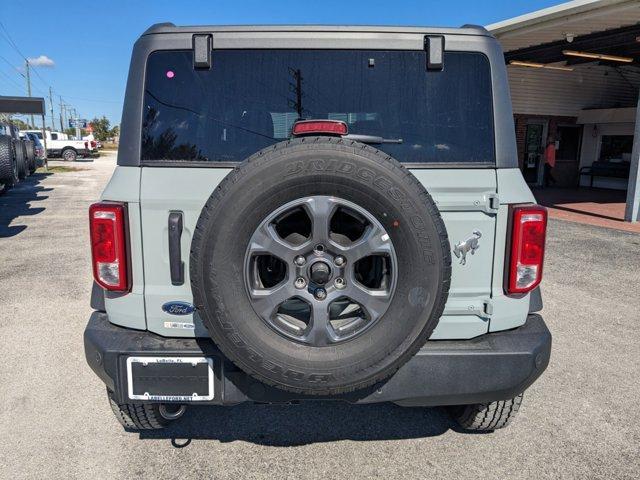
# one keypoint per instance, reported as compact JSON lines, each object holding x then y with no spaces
{"x":580,"y":420}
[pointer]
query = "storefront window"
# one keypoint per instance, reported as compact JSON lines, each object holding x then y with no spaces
{"x":616,"y":148}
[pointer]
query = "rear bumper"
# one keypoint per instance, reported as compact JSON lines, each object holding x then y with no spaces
{"x":494,"y":366}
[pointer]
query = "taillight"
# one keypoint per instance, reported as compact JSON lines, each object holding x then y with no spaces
{"x":93,"y":144}
{"x":86,"y":144}
{"x":314,"y":127}
{"x":109,"y":245}
{"x":528,"y":233}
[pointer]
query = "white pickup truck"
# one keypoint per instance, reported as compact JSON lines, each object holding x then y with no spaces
{"x":59,"y":145}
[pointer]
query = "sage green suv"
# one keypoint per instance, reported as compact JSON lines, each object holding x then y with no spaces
{"x":305,"y":213}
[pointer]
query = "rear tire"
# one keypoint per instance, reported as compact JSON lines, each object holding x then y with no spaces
{"x":486,"y":416}
{"x":142,"y":416}
{"x":69,"y":155}
{"x":8,"y":166}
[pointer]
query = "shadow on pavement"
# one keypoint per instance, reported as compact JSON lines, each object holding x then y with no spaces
{"x":15,"y":203}
{"x":303,"y":424}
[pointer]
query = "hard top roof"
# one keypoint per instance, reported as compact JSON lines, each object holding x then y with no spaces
{"x":162,"y":28}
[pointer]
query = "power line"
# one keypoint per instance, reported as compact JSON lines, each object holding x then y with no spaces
{"x":7,"y":37}
{"x":15,"y":69}
{"x":10,"y":40}
{"x":92,"y":99}
{"x":10,"y":79}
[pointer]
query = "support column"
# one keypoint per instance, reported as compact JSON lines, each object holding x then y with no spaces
{"x":632,"y":210}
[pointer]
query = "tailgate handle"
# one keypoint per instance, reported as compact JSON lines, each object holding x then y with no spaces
{"x":176,"y":265}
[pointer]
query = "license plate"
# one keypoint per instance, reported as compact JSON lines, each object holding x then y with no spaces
{"x":170,"y":379}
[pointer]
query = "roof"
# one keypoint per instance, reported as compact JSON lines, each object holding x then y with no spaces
{"x":171,"y":28}
{"x":575,"y":18}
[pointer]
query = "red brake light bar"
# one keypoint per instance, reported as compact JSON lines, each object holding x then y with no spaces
{"x":528,"y":234}
{"x":319,"y":127}
{"x":109,"y":246}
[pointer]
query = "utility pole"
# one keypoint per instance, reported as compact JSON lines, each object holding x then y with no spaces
{"x":61,"y":114}
{"x":53,"y":127}
{"x":26,"y":64}
{"x":62,"y":119}
{"x":78,"y":132}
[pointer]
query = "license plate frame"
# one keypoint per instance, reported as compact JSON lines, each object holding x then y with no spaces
{"x":175,"y":365}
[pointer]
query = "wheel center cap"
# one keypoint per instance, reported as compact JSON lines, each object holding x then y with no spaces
{"x":320,"y":273}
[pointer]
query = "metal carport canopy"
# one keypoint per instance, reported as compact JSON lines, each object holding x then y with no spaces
{"x":24,"y":105}
{"x":539,"y":33}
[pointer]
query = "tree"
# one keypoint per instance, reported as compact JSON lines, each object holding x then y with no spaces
{"x":21,"y":125}
{"x":101,"y":128}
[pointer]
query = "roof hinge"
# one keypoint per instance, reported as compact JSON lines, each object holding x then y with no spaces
{"x":202,"y":49}
{"x":434,"y":47}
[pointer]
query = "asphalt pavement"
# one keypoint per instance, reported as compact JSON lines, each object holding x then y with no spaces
{"x":580,"y":420}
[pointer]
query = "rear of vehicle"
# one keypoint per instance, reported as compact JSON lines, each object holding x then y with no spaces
{"x":317,"y":212}
{"x":39,"y":150}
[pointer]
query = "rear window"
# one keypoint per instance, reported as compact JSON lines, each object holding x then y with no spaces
{"x":250,"y":99}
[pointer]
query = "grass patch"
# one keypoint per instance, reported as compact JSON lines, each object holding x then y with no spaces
{"x":59,"y":169}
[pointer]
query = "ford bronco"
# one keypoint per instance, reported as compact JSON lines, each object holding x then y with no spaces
{"x":321,"y":212}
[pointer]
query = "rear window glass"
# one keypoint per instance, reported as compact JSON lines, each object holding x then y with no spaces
{"x":250,"y":99}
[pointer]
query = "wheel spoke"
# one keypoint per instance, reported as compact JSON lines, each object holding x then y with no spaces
{"x":320,"y":209}
{"x":267,"y":241}
{"x":319,"y":333}
{"x":374,"y":302}
{"x":267,"y":300}
{"x":375,"y":241}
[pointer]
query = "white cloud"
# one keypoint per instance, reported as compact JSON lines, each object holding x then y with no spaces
{"x":41,"y":61}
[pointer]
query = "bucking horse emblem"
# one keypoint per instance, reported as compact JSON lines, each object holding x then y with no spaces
{"x":470,"y":245}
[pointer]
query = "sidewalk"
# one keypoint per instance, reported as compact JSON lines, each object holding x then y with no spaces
{"x":591,"y":206}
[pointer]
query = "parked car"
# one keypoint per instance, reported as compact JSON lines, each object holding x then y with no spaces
{"x":355,"y":229}
{"x":40,"y":153}
{"x":59,"y":145}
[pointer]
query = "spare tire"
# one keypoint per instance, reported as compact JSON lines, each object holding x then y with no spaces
{"x":320,"y":265}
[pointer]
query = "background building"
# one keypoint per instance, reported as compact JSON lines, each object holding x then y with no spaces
{"x":574,"y":74}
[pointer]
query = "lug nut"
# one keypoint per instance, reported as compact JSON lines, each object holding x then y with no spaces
{"x":339,"y":261}
{"x":320,"y":293}
{"x":300,"y":282}
{"x":300,"y":260}
{"x":339,"y":283}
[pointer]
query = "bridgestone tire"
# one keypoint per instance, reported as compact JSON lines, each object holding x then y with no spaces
{"x":8,"y":169}
{"x":21,"y":158}
{"x":487,"y":416}
{"x":353,"y":172}
{"x":137,"y":416}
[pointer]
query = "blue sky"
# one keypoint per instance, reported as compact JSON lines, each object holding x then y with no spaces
{"x":90,"y":42}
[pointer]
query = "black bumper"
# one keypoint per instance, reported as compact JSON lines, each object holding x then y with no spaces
{"x":495,"y":366}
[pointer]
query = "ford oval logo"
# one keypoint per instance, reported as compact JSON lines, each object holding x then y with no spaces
{"x":178,"y":308}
